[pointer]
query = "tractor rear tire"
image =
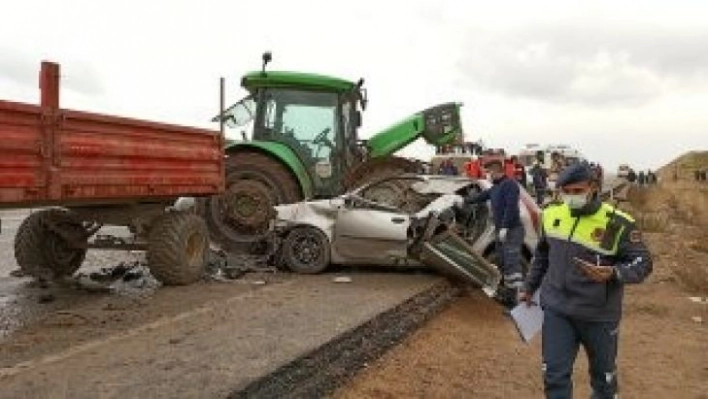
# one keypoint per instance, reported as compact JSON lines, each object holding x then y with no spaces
{"x":255,"y":183}
{"x":392,"y":193}
{"x":379,"y":168}
{"x":41,"y":252}
{"x":178,"y":246}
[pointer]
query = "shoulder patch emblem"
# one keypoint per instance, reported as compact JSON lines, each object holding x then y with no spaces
{"x":635,"y":236}
{"x":597,"y":234}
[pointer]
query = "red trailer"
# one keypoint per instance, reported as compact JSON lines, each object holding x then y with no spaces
{"x":86,"y":170}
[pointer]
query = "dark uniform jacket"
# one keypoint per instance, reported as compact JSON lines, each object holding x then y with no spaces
{"x":599,"y":234}
{"x":504,"y":199}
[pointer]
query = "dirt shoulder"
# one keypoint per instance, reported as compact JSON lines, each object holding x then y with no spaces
{"x":472,"y":350}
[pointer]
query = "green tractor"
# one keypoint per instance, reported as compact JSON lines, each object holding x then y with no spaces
{"x":305,"y":145}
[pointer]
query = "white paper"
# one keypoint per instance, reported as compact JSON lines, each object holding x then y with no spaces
{"x":528,"y":319}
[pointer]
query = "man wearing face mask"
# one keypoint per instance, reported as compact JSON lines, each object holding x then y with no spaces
{"x":587,"y":252}
{"x":509,"y":232}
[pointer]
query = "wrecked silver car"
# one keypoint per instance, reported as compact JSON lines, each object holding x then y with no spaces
{"x":407,"y":220}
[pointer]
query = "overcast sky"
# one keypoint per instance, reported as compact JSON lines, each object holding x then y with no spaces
{"x":621,"y":81}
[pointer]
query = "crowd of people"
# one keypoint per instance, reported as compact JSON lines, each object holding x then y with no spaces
{"x":536,"y":179}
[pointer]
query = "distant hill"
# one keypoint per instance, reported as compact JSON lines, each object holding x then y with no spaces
{"x":684,"y":166}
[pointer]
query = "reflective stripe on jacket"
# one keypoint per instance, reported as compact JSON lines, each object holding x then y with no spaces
{"x":606,"y":236}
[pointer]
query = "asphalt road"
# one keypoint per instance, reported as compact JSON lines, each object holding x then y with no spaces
{"x":10,"y":220}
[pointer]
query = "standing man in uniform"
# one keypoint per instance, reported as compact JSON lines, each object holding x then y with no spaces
{"x":587,"y":252}
{"x":509,"y":232}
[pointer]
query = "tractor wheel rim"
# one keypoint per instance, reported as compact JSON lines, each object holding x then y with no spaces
{"x":246,"y":206}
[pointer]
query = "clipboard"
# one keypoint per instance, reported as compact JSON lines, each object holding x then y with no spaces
{"x":528,"y":320}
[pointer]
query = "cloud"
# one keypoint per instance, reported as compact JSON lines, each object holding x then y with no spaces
{"x":22,"y":69}
{"x":83,"y":79}
{"x":17,"y":67}
{"x":588,"y":62}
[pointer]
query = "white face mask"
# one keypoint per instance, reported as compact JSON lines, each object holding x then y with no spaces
{"x":575,"y":201}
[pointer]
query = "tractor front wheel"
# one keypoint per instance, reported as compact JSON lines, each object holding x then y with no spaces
{"x":255,"y":183}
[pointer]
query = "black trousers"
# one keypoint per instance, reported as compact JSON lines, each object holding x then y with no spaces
{"x":561,"y":339}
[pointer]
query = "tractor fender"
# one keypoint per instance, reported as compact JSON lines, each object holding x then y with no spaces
{"x":280,"y":153}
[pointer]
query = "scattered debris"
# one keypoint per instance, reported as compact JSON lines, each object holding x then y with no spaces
{"x":18,"y":273}
{"x":46,"y":298}
{"x":698,"y":299}
{"x":87,"y":283}
{"x":129,"y":278}
{"x":342,"y":279}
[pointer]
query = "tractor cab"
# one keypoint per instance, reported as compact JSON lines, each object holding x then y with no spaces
{"x":315,"y":116}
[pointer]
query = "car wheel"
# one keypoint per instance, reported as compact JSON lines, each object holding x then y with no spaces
{"x":306,"y":250}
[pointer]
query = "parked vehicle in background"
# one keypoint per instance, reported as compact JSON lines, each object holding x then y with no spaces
{"x":552,"y":158}
{"x":623,"y":170}
{"x":380,"y":224}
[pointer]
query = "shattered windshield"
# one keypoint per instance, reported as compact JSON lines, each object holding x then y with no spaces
{"x":239,"y":114}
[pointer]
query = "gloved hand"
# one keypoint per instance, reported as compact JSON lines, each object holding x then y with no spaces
{"x":525,"y":297}
{"x":502,"y":234}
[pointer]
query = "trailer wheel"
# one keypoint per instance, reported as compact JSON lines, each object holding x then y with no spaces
{"x":42,"y":252}
{"x":178,"y":245}
{"x":306,"y":250}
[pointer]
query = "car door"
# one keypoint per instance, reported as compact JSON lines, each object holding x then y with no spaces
{"x":371,"y":228}
{"x":453,"y":256}
{"x":369,"y":235}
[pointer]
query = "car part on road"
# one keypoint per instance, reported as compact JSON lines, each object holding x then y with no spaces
{"x":452,"y":256}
